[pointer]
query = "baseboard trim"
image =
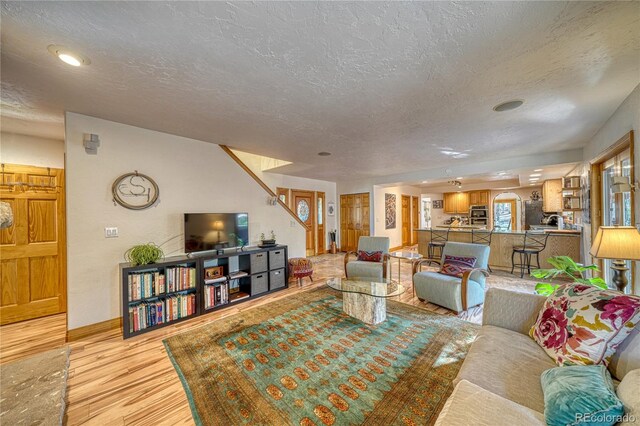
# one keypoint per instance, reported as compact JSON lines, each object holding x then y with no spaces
{"x":92,"y":329}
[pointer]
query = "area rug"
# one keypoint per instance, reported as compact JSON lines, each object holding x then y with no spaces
{"x":32,"y":390}
{"x":302,"y":361}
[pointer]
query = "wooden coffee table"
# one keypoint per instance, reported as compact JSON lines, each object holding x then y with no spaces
{"x":366,"y":300}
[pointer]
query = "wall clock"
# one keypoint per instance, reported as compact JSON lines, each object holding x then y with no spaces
{"x":135,"y":191}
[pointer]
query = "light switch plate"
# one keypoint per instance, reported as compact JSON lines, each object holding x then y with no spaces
{"x":111,"y":232}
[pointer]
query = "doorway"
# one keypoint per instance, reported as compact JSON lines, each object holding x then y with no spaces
{"x":33,"y":249}
{"x":304,"y":206}
{"x":617,"y":208}
{"x":415,"y":219}
{"x":504,"y":215}
{"x":406,"y":220}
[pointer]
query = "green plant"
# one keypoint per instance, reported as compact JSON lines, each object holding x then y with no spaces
{"x":564,"y":266}
{"x":273,"y":235}
{"x":262,"y":237}
{"x":144,"y":254}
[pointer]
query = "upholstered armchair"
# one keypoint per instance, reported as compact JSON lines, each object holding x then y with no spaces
{"x":368,"y":270}
{"x":455,"y":293}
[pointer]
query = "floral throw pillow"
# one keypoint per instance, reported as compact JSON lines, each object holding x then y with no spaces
{"x":457,"y":265}
{"x":370,"y":256}
{"x":580,"y":324}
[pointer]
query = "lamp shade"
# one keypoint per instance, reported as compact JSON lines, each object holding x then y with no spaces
{"x":616,"y":242}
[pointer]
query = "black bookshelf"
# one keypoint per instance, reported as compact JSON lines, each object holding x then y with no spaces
{"x":254,"y":271}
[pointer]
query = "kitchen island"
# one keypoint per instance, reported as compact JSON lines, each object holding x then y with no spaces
{"x":560,"y":243}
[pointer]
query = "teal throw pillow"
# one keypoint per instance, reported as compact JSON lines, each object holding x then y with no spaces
{"x":580,"y":395}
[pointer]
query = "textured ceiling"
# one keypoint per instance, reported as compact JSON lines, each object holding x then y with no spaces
{"x":385,"y":87}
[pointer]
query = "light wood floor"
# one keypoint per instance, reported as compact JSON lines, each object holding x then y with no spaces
{"x":116,"y":382}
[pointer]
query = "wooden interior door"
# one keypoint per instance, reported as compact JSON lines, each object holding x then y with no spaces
{"x":406,"y":220}
{"x":354,"y":220}
{"x":321,"y":233}
{"x":304,"y":207}
{"x":415,"y":219}
{"x":33,"y":249}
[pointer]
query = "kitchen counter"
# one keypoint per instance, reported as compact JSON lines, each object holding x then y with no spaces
{"x":468,"y":229}
{"x":559,"y":243}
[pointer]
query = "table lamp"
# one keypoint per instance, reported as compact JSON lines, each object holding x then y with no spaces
{"x":618,"y":243}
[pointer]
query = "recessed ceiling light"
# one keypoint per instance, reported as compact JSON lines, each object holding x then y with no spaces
{"x":508,"y":106}
{"x":502,"y":173}
{"x":532,"y":184}
{"x":533,"y":179}
{"x":535,"y":175}
{"x":324,"y":154}
{"x":458,"y":178}
{"x":425,"y":181}
{"x":538,"y":170}
{"x":67,"y":56}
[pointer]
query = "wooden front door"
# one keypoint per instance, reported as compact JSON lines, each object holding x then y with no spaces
{"x":406,"y":220}
{"x":304,"y":207}
{"x":415,"y":219}
{"x":33,"y":249}
{"x":321,"y":234}
{"x":354,"y":220}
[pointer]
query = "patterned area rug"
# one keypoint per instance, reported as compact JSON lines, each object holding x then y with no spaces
{"x":302,"y":361}
{"x":33,"y":389}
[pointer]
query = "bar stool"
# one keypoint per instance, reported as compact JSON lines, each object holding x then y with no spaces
{"x":481,"y":236}
{"x":438,"y":239}
{"x":534,"y":243}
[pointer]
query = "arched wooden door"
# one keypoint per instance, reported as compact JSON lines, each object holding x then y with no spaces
{"x":304,"y":207}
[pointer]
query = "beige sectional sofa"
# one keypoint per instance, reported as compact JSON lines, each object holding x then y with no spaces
{"x":499,"y":382}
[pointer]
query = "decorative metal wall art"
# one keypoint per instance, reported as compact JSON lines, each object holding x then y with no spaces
{"x":135,"y":191}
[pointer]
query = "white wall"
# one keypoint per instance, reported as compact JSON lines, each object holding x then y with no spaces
{"x":626,"y":118}
{"x":395,"y":235}
{"x":31,"y":151}
{"x":275,"y":180}
{"x":193,"y":176}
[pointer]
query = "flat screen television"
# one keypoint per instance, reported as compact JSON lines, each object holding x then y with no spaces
{"x":215,"y":231}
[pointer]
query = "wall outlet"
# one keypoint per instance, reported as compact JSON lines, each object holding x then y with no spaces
{"x":111,"y":232}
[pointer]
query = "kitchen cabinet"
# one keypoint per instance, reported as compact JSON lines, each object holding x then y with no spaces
{"x":552,"y":195}
{"x":479,"y":198}
{"x":456,"y":203}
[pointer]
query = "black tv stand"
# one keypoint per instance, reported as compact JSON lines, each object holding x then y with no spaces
{"x":160,"y":294}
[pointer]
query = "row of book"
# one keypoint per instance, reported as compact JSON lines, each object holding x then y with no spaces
{"x":148,"y":314}
{"x":146,"y":284}
{"x":143,"y":285}
{"x":181,"y":278}
{"x":215,"y":295}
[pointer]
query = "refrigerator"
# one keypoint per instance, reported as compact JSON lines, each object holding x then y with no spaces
{"x":533,"y":213}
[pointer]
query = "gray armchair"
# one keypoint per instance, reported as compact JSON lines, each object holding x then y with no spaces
{"x":368,"y":270}
{"x":457,"y":294}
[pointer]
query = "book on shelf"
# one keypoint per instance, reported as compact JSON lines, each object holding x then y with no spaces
{"x":237,"y":274}
{"x":180,"y":278}
{"x":150,"y":313}
{"x":216,"y":280}
{"x":143,"y":285}
{"x":238,"y":296}
{"x":216,"y":295}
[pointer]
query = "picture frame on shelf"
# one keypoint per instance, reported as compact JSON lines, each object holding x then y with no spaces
{"x":213,"y":272}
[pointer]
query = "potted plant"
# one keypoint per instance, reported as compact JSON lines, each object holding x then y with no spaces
{"x":266,"y":242}
{"x":144,"y":254}
{"x":564,"y":266}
